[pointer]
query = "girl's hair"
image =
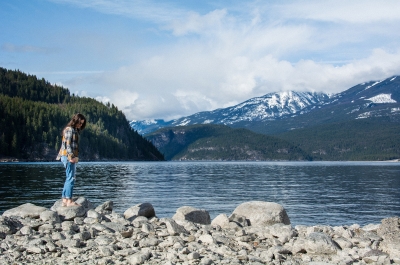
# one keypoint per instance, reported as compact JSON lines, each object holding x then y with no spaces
{"x":78,"y":118}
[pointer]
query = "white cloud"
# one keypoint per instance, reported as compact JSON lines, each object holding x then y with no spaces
{"x":222,"y":56}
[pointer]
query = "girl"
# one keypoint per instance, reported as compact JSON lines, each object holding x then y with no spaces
{"x":69,"y":153}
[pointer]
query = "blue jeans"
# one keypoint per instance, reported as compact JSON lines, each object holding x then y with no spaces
{"x":70,"y":169}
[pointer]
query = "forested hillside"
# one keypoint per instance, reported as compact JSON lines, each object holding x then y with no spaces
{"x":33,"y":113}
{"x":373,"y":139}
{"x":220,"y":142}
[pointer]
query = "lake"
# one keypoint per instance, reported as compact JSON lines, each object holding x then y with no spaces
{"x":330,"y":193}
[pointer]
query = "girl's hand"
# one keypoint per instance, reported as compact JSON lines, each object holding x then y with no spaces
{"x":74,"y":160}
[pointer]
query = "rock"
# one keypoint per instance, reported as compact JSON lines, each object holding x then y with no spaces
{"x":261,"y":213}
{"x":239,"y":219}
{"x":167,"y":241}
{"x":26,"y":230}
{"x":221,"y":221}
{"x":207,"y":239}
{"x":93,"y":214}
{"x":193,"y":215}
{"x":25,"y":210}
{"x":49,"y":216}
{"x":9,"y":225}
{"x":283,"y":232}
{"x":71,"y":212}
{"x":85,"y":203}
{"x":172,"y":227}
{"x":115,"y":227}
{"x":105,"y":208}
{"x":138,"y":258}
{"x":389,"y":230}
{"x":319,"y":244}
{"x":193,"y":256}
{"x":143,"y":209}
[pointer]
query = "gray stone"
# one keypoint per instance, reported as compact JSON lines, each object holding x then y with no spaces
{"x":115,"y":227}
{"x":261,"y":213}
{"x":49,"y":216}
{"x":148,"y":242}
{"x":319,"y":244}
{"x":70,"y":243}
{"x":143,"y":209}
{"x":239,"y":219}
{"x":26,"y":230}
{"x":193,"y":256}
{"x":221,"y":221}
{"x":173,"y":228}
{"x":192,"y":214}
{"x":207,"y":239}
{"x":105,"y":208}
{"x":70,"y":212}
{"x":104,"y":240}
{"x":283,"y":232}
{"x":106,"y":251}
{"x":9,"y":225}
{"x":25,"y":210}
{"x":138,"y":258}
{"x":147,"y":228}
{"x":93,"y":214}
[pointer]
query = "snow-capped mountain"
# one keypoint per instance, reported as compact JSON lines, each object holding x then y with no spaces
{"x":268,"y":107}
{"x":355,"y":102}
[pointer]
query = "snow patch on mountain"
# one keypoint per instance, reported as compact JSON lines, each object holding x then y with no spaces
{"x":373,"y":84}
{"x":382,"y":98}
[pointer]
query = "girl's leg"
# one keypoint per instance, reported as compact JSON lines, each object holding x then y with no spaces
{"x":68,"y":189}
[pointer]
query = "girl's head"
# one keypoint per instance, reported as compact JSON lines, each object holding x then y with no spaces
{"x":78,"y":122}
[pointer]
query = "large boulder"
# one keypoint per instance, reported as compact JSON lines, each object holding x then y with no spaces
{"x":142,"y":209}
{"x":188,"y":213}
{"x":261,"y":213}
{"x":25,"y":210}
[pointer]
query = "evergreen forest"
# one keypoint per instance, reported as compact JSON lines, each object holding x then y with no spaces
{"x":34,"y":112}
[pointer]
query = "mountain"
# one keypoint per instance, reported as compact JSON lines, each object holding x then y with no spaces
{"x":220,"y":142}
{"x":271,"y":106}
{"x":33,"y":113}
{"x":275,"y":113}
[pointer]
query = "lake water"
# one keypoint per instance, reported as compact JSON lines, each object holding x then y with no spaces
{"x":332,"y":193}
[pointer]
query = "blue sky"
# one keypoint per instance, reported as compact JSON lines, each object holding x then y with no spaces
{"x":168,"y":59}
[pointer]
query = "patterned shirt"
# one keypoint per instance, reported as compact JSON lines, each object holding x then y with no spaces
{"x":70,"y":144}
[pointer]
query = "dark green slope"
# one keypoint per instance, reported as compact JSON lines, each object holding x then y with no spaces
{"x":33,"y":113}
{"x":219,"y":142}
{"x":373,"y":139}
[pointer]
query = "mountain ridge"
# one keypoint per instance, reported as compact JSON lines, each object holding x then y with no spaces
{"x":263,"y":111}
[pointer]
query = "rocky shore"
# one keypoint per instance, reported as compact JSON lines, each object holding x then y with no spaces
{"x":255,"y":233}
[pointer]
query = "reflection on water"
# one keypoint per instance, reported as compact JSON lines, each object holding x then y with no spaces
{"x":335,"y":193}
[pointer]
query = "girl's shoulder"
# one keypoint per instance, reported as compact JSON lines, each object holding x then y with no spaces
{"x":69,"y":129}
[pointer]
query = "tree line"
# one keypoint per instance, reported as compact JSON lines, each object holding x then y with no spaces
{"x":34,"y":112}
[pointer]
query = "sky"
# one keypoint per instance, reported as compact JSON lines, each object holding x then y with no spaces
{"x":168,"y":59}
